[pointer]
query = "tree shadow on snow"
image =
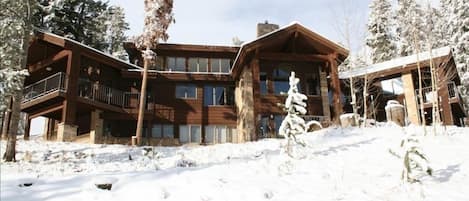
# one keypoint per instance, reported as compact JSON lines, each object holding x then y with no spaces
{"x":343,"y":147}
{"x":444,"y":175}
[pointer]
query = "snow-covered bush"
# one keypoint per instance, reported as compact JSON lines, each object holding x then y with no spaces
{"x":415,"y":161}
{"x":184,"y":162}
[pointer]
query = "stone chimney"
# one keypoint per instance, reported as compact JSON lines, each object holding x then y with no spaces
{"x":265,"y":28}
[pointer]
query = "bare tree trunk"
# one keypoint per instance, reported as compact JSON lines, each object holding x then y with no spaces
{"x":422,"y":110}
{"x":435,"y":102}
{"x":12,"y":133}
{"x":6,"y":119}
{"x":365,"y":98}
{"x":141,"y":108}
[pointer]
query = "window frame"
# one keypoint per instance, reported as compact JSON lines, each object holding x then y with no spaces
{"x":189,"y":132}
{"x":228,"y":98}
{"x":176,"y":66}
{"x":219,"y":63}
{"x":185,"y":93}
{"x":198,"y":65}
{"x":161,"y":128}
{"x":217,"y":133}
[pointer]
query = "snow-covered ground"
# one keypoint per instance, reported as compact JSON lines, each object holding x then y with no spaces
{"x":336,"y":164}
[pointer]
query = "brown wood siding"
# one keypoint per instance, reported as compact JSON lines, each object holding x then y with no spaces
{"x":169,"y":109}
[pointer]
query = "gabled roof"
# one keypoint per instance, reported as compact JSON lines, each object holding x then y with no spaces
{"x":292,"y":27}
{"x":401,"y":63}
{"x":63,"y":41}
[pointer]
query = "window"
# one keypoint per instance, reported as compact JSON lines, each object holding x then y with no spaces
{"x":218,"y":95}
{"x":162,"y":131}
{"x":263,"y":79}
{"x":220,"y":65}
{"x":280,"y":78}
{"x":198,"y":64}
{"x":264,"y":127}
{"x":186,"y":91}
{"x":189,"y":134}
{"x":176,"y":63}
{"x":218,"y":134}
{"x":157,"y":64}
{"x":313,"y":86}
{"x":278,"y":119}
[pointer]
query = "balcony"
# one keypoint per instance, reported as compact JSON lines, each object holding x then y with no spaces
{"x":51,"y":84}
{"x":104,"y":94}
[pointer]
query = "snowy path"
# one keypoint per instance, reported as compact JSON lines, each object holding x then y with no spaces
{"x":349,"y":164}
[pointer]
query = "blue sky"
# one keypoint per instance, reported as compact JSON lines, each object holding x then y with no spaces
{"x":217,"y":22}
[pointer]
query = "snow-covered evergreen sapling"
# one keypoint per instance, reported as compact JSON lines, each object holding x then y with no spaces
{"x":295,"y":105}
{"x":415,"y":161}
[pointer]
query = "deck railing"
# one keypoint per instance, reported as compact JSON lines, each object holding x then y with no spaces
{"x":45,"y":86}
{"x":428,"y":94}
{"x":104,"y":94}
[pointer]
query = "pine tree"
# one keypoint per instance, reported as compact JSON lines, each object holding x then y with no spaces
{"x":80,"y":20}
{"x":459,"y":41}
{"x":410,"y":23}
{"x":115,"y":26}
{"x":295,"y":105}
{"x":380,"y":38}
{"x":15,"y":35}
{"x":435,"y":27}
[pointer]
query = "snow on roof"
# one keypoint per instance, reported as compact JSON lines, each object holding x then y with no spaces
{"x":90,"y":48}
{"x":400,"y":62}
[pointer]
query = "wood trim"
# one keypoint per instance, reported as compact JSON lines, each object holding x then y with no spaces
{"x":36,"y":101}
{"x":48,"y":61}
{"x":101,"y":106}
{"x":52,"y":39}
{"x":293,"y":57}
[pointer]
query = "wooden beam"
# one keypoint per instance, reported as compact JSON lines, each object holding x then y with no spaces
{"x":48,"y":61}
{"x":52,"y":39}
{"x":409,"y":96}
{"x":27,"y":128}
{"x":293,"y":57}
{"x":443,"y":94}
{"x":47,"y":110}
{"x":70,"y":102}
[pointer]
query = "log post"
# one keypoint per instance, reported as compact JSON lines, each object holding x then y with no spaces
{"x":27,"y":128}
{"x":335,"y":87}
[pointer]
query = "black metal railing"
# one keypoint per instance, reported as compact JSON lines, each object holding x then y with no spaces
{"x":45,"y":86}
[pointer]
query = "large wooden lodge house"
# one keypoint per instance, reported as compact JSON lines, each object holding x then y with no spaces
{"x":196,"y":93}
